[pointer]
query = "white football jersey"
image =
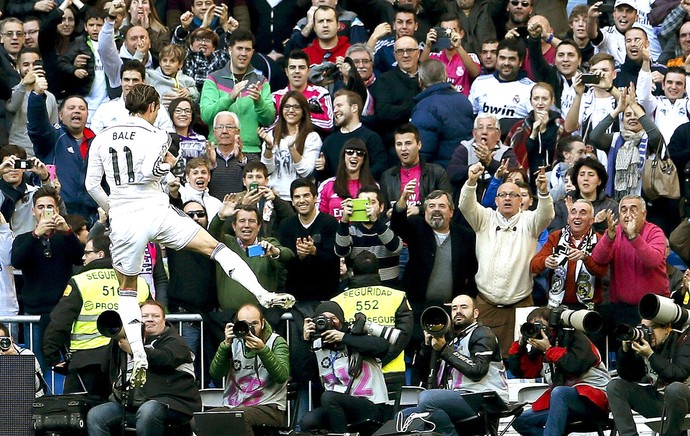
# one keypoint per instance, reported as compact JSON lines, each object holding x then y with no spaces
{"x":131,"y":155}
{"x":502,"y":99}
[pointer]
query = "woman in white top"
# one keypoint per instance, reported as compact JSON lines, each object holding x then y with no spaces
{"x":290,"y":151}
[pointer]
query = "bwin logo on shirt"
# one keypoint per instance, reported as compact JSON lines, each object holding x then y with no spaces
{"x":502,"y":111}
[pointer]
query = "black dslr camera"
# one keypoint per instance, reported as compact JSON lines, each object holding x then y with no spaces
{"x":241,"y":329}
{"x":530,"y":330}
{"x":323,"y":324}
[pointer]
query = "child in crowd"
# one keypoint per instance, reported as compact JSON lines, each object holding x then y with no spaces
{"x":168,"y":78}
{"x":82,"y":64}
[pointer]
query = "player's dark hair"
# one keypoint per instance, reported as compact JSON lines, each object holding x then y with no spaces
{"x":565,"y":144}
{"x":140,"y":97}
{"x":5,"y":331}
{"x":76,"y":222}
{"x":593,"y":163}
{"x":26,"y":50}
{"x":94,"y":12}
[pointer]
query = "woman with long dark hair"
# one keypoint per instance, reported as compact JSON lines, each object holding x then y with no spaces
{"x":184,"y":114}
{"x":353,"y":173}
{"x":290,"y":151}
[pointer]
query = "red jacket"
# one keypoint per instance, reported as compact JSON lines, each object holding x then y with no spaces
{"x":317,"y":55}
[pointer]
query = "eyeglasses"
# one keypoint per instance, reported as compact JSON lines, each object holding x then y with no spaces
{"x":516,"y":2}
{"x":294,"y":107}
{"x":405,"y":51}
{"x":17,"y":33}
{"x":507,"y":194}
{"x":361,"y":61}
{"x":179,"y":111}
{"x":226,"y":127}
{"x":89,"y":251}
{"x":31,"y":32}
{"x":352,"y":152}
{"x":203,"y":40}
{"x":196,"y":213}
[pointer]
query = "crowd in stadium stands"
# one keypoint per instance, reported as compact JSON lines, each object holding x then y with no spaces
{"x":371,"y":158}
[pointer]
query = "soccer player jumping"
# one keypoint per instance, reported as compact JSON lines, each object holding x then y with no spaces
{"x":135,"y":156}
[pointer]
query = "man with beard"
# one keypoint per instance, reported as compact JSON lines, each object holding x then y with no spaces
{"x":506,"y":241}
{"x":441,"y":262}
{"x":470,"y":361}
{"x":506,"y":92}
{"x":573,"y":369}
{"x":576,"y":278}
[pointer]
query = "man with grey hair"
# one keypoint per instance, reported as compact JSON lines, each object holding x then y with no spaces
{"x":442,"y":262}
{"x":635,"y":251}
{"x":506,"y":242}
{"x":485,"y":146}
{"x":226,"y":174}
{"x":442,"y":114}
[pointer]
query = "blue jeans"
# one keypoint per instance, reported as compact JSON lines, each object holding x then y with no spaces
{"x":566,"y":405}
{"x":445,"y":406}
{"x":150,"y":418}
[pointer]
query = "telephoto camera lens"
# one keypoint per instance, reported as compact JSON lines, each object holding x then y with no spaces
{"x":240,"y":329}
{"x":5,"y":343}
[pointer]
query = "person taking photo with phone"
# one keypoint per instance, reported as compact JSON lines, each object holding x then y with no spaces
{"x":21,"y":178}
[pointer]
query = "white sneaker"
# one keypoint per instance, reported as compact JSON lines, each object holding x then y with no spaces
{"x":272,"y":299}
{"x":138,"y":376}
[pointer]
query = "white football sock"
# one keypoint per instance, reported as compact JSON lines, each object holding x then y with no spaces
{"x":130,"y":313}
{"x":238,"y":270}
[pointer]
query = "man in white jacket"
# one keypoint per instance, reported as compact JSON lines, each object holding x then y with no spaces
{"x":506,"y":242}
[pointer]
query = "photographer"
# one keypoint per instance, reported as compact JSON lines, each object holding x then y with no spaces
{"x":9,"y":348}
{"x":660,"y":357}
{"x":256,"y":362}
{"x":470,"y":361}
{"x":570,"y":364}
{"x":350,"y":370}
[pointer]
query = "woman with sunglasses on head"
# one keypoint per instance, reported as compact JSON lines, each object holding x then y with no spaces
{"x":353,"y":173}
{"x":290,"y":151}
{"x":184,"y":114}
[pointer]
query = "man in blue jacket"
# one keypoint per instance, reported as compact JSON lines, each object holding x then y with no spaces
{"x":65,"y":145}
{"x":443,"y":115}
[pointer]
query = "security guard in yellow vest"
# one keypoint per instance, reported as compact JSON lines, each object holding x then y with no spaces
{"x":73,"y":321}
{"x":382,"y":305}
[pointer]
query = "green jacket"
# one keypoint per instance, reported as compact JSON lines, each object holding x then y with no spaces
{"x":215,"y":97}
{"x":231,"y":294}
{"x":276,"y":360}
